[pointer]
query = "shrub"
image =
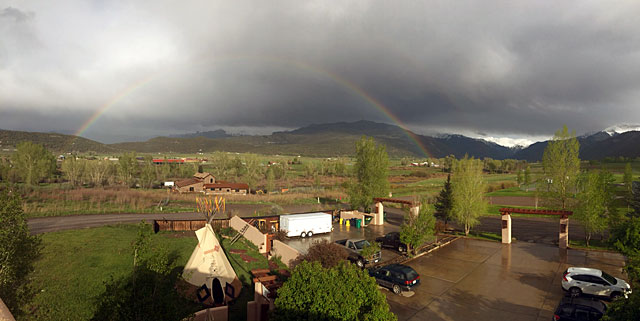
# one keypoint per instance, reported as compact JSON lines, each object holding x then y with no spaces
{"x":342,"y":292}
{"x":326,"y":253}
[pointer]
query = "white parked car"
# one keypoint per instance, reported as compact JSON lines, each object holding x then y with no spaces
{"x":580,"y":280}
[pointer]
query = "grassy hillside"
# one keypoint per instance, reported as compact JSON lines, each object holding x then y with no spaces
{"x":59,"y":143}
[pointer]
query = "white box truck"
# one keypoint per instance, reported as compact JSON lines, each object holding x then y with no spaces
{"x":306,"y":225}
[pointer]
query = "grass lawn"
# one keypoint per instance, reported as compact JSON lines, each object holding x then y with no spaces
{"x":512,"y":191}
{"x":74,"y":266}
{"x":594,"y":244}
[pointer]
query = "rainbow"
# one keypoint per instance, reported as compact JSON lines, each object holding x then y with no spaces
{"x":114,"y":100}
{"x":350,"y":86}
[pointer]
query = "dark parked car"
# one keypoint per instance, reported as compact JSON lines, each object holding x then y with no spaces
{"x":392,"y":240}
{"x":579,"y":309}
{"x":397,"y":277}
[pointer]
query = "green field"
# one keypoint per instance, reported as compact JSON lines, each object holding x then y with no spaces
{"x":74,"y":266}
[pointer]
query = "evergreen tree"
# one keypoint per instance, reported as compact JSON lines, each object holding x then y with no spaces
{"x":444,"y":202}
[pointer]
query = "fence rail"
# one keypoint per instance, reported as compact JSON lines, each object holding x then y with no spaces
{"x":187,"y":225}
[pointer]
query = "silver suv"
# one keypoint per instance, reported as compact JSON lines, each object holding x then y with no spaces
{"x":579,"y":280}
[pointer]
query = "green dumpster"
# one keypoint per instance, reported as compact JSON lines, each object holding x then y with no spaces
{"x":358,"y":223}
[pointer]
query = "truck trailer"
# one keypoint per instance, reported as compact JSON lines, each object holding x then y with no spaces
{"x":306,"y":225}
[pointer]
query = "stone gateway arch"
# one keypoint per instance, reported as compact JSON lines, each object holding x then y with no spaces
{"x":563,"y":232}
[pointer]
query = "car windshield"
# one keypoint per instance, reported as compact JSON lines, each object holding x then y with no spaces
{"x":361,"y":244}
{"x":609,"y":278}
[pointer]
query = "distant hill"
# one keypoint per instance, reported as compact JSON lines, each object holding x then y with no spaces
{"x":593,"y":147}
{"x":334,"y":139}
{"x":59,"y":143}
{"x":220,"y":133}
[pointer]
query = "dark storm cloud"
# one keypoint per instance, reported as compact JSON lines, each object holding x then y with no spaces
{"x":501,"y":68}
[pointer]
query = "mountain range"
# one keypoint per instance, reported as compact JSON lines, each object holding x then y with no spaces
{"x":337,"y":139}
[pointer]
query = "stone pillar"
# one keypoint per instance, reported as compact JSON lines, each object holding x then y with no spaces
{"x":506,"y":228}
{"x":563,"y":235}
{"x":414,"y":210}
{"x":378,"y":216}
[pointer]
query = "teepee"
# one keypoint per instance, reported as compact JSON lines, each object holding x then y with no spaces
{"x":208,"y":268}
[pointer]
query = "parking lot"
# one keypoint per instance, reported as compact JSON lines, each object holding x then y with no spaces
{"x":347,"y":232}
{"x":480,"y":280}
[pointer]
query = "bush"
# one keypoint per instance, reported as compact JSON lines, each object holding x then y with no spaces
{"x":326,"y":253}
{"x":343,"y":292}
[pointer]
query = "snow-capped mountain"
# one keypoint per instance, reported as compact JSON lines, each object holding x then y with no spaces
{"x":622,"y":128}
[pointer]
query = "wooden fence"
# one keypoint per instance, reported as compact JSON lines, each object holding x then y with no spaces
{"x":187,"y":225}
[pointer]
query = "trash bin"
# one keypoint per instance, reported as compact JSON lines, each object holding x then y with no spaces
{"x":358,"y":222}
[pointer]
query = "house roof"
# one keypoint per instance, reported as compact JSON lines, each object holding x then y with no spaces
{"x":201,"y":175}
{"x":187,"y":182}
{"x":223,"y":184}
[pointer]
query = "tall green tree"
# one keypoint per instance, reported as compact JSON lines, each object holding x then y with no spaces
{"x":252,"y":170}
{"x":98,"y":171}
{"x":18,"y":252}
{"x":625,"y":237}
{"x":342,"y":292}
{"x":418,"y":229}
{"x":444,"y":202}
{"x":270,"y":177}
{"x":592,"y":205}
{"x":33,"y":162}
{"x":527,"y":177}
{"x":147,"y":172}
{"x":635,"y":200}
{"x":519,"y":178}
{"x":372,"y":171}
{"x":627,"y":179}
{"x":468,"y":188}
{"x":73,"y":169}
{"x":561,"y":165}
{"x":128,"y":168}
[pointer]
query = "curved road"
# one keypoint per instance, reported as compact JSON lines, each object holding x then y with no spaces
{"x":39,"y":225}
{"x":532,"y":229}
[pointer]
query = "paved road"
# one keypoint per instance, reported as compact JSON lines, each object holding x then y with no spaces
{"x":39,"y":225}
{"x":478,"y":280}
{"x":532,"y":229}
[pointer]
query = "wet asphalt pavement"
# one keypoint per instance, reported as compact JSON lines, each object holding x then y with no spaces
{"x":480,"y":280}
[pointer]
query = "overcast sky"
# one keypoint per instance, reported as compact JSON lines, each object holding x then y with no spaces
{"x":502,"y":69}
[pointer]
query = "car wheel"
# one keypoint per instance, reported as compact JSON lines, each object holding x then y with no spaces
{"x":309,"y":234}
{"x":396,"y":289}
{"x":400,"y":248}
{"x":615,"y":295}
{"x":575,"y":292}
{"x":360,"y":263}
{"x":303,"y":234}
